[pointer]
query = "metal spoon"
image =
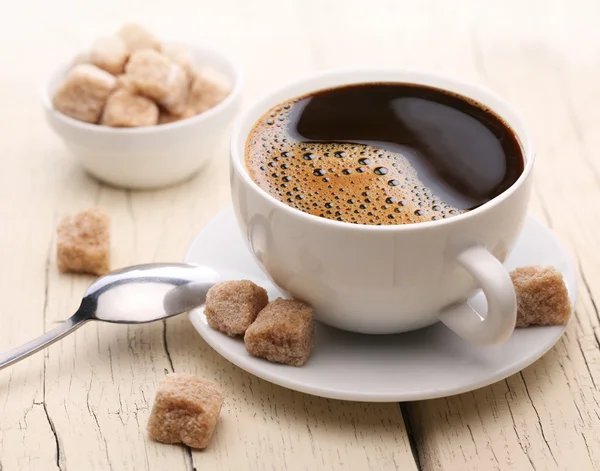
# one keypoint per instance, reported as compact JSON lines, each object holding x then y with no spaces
{"x":133,"y":295}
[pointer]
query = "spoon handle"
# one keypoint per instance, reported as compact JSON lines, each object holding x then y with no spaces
{"x":37,"y":344}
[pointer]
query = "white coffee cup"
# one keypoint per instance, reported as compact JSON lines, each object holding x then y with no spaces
{"x":388,"y":279}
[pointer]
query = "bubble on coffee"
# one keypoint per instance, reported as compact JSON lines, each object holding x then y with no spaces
{"x":383,"y":184}
{"x":354,"y":182}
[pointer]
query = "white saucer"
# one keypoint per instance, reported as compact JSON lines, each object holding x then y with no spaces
{"x":423,"y":364}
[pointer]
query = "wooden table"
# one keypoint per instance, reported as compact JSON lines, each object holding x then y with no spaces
{"x":84,"y":402}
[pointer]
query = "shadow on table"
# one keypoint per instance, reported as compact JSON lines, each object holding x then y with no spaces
{"x":253,"y":400}
{"x":500,"y":406}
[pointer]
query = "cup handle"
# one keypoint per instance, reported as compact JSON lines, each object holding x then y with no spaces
{"x":494,"y":280}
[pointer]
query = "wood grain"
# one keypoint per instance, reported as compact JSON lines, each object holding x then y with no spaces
{"x":543,"y":417}
{"x":83,"y":403}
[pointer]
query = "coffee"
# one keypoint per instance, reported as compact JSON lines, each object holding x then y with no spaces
{"x":383,"y":153}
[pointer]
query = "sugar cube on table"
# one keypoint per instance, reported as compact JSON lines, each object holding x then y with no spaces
{"x":126,"y":109}
{"x":283,"y":332}
{"x":83,"y":242}
{"x":185,"y":410}
{"x":231,"y":306}
{"x":83,"y":92}
{"x":159,"y":78}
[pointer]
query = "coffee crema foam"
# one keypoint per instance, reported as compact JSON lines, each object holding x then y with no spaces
{"x":353,"y":183}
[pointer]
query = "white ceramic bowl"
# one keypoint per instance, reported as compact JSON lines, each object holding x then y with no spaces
{"x":152,"y":156}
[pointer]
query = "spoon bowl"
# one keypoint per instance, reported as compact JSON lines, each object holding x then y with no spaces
{"x":132,"y":295}
{"x":147,"y":293}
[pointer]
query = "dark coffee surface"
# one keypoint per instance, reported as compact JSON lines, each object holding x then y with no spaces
{"x":383,"y":154}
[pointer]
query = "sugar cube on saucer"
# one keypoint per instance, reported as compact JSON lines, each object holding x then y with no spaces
{"x":185,"y":410}
{"x":126,"y":109}
{"x":83,"y":92}
{"x":83,"y":243}
{"x":542,"y":297}
{"x":283,"y":332}
{"x":231,"y":306}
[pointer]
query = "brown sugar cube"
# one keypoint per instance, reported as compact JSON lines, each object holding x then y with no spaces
{"x":283,"y":332}
{"x":137,"y":37}
{"x":542,"y":297}
{"x":127,"y":110}
{"x":165,"y":117}
{"x":185,"y":410}
{"x":206,"y":91}
{"x":124,"y":81}
{"x":180,"y":55}
{"x":160,"y":79}
{"x":83,"y":92}
{"x":110,"y":53}
{"x":83,"y":243}
{"x":84,"y":57}
{"x":231,"y":306}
